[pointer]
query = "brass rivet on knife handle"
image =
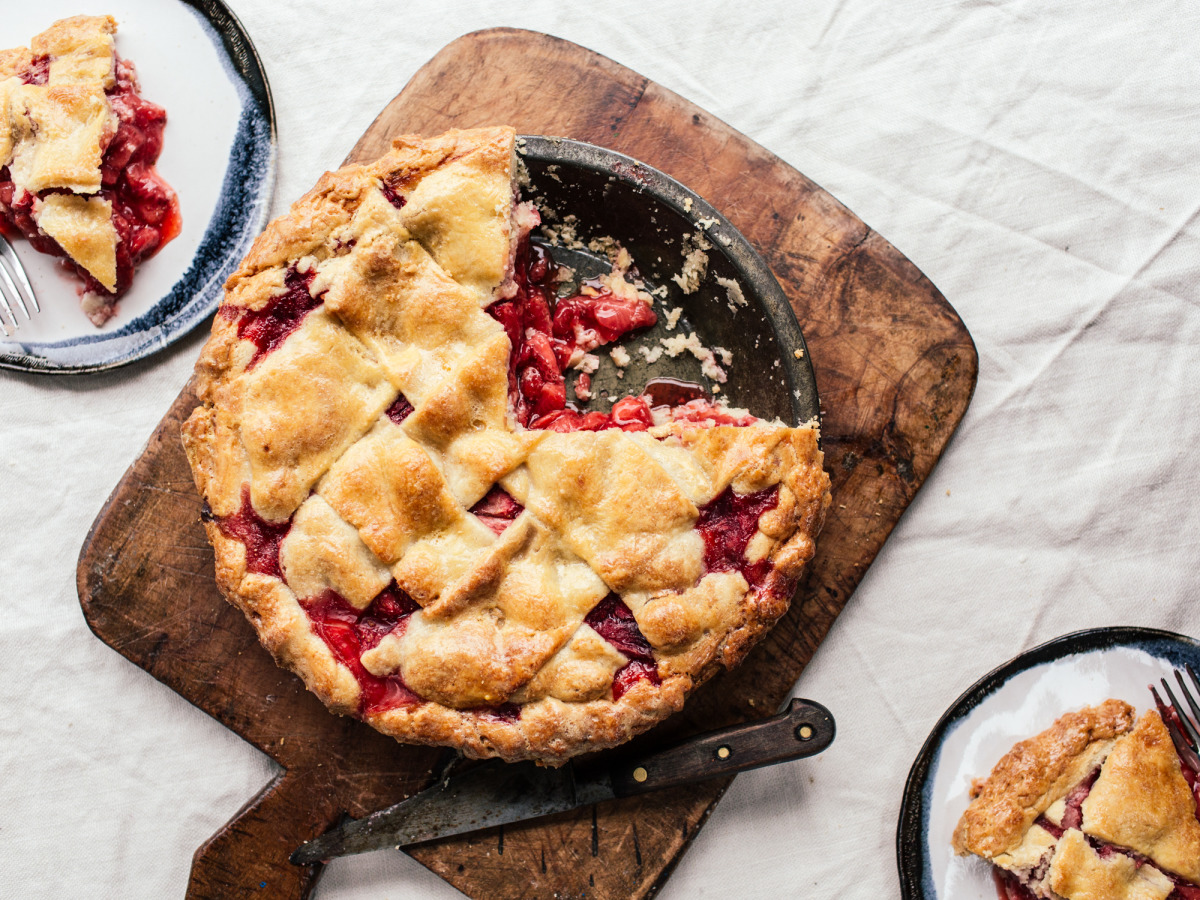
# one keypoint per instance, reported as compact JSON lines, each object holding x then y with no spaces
{"x":804,"y":729}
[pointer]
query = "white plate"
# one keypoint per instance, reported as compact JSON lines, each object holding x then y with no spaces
{"x":195,"y":60}
{"x":1016,"y":701}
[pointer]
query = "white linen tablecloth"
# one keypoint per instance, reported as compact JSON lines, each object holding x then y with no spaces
{"x":1037,"y":160}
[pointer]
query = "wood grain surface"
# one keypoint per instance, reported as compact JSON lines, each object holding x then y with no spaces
{"x":895,"y":368}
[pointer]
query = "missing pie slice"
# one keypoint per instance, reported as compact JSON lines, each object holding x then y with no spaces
{"x":78,"y":145}
{"x":1096,"y":807}
{"x":411,"y":516}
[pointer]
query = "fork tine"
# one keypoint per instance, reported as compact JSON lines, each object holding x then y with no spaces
{"x":11,"y":292}
{"x":1188,"y":727}
{"x":1186,"y":753}
{"x":4,"y":305}
{"x":1187,"y":694}
{"x":9,"y":255}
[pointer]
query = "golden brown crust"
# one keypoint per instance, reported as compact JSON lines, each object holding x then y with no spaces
{"x":401,"y":256}
{"x":1142,"y":801}
{"x":1136,"y":824}
{"x":53,"y":136}
{"x":1034,"y":774}
{"x":1078,"y":872}
{"x":83,"y":227}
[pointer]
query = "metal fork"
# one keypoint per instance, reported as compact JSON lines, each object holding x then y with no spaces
{"x":14,"y":289}
{"x":1185,"y":732}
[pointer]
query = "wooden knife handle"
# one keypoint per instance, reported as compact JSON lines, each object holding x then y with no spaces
{"x":804,"y":729}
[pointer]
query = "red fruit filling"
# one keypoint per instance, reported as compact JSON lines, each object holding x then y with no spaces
{"x":269,"y":327}
{"x":727,"y":523}
{"x":1008,"y":887}
{"x":628,"y":414}
{"x":587,"y":321}
{"x":392,"y":197}
{"x":1073,"y":817}
{"x":260,"y":537}
{"x":145,"y":210}
{"x":614,"y":622}
{"x":349,"y":632}
{"x":497,"y":509}
{"x":505,"y":712}
{"x":545,"y":343}
{"x":400,"y":409}
{"x":38,"y":71}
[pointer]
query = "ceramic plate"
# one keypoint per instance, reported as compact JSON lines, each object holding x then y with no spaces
{"x":194,"y":59}
{"x":1016,"y":701}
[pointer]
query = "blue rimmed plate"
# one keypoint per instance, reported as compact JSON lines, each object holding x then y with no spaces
{"x":194,"y":59}
{"x":1014,"y":702}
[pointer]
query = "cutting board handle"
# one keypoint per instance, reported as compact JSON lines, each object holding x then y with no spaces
{"x":250,"y":854}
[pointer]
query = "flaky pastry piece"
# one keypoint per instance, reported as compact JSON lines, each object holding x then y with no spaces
{"x":77,"y":151}
{"x":1096,"y":807}
{"x":413,"y":526}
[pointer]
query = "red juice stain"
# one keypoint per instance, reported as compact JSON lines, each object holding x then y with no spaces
{"x":672,"y":392}
{"x":726,"y":525}
{"x":497,"y":509}
{"x":614,"y":622}
{"x":349,"y":632}
{"x":260,"y":537}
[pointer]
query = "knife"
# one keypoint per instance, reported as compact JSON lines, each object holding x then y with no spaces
{"x":497,"y":792}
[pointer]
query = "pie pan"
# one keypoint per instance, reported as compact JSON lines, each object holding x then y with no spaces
{"x":1015,"y":701}
{"x":650,"y":214}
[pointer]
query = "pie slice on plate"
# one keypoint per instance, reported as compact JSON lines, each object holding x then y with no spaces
{"x":413,"y":519}
{"x":78,"y":145}
{"x":1096,"y":807}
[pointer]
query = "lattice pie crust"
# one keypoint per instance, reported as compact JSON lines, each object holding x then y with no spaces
{"x":414,"y":552}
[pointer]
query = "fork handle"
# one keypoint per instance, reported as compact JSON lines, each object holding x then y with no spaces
{"x":804,"y":729}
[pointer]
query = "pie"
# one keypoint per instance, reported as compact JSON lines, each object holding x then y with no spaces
{"x":77,"y":151}
{"x":415,"y":521}
{"x":1096,"y":807}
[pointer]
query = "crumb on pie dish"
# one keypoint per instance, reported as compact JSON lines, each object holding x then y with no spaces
{"x":78,"y":146}
{"x":1096,"y":807}
{"x":413,"y":518}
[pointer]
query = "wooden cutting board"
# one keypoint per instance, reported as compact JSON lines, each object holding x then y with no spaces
{"x":895,"y":368}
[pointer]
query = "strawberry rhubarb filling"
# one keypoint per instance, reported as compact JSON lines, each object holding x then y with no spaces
{"x":548,"y":335}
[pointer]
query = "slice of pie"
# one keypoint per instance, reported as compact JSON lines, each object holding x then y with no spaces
{"x":411,"y":516}
{"x":1096,"y":807}
{"x":77,"y":151}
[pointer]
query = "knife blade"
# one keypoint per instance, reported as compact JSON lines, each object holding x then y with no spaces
{"x":497,"y":793}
